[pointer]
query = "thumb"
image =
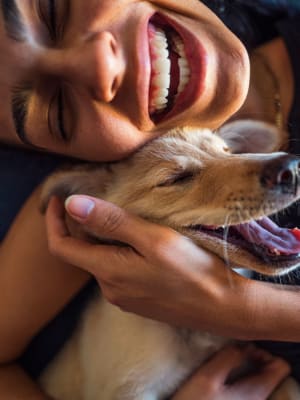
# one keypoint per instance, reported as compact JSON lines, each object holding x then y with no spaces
{"x":106,"y":220}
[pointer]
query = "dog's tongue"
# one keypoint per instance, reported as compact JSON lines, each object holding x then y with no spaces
{"x":266,"y":233}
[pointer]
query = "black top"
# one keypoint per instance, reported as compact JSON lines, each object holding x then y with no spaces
{"x":21,"y":171}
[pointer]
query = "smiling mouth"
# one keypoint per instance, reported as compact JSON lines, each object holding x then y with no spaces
{"x":170,"y":70}
{"x":276,"y":246}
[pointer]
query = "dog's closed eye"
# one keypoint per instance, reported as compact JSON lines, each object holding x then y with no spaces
{"x":178,"y":178}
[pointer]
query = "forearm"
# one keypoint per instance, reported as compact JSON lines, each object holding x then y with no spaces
{"x":253,"y":310}
{"x":273,"y":312}
{"x":15,"y":384}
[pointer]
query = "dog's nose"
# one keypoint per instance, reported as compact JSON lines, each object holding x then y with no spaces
{"x":282,"y":173}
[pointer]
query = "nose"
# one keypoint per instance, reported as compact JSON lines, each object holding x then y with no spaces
{"x":282,"y":173}
{"x":97,"y":63}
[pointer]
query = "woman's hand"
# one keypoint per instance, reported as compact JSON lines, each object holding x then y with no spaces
{"x":211,"y":378}
{"x":163,"y":275}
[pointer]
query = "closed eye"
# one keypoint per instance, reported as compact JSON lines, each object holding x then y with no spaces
{"x":56,"y":117}
{"x":47,"y":14}
{"x":55,"y":15}
{"x":178,"y":179}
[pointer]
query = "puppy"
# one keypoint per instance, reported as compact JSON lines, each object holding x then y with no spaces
{"x":196,"y":182}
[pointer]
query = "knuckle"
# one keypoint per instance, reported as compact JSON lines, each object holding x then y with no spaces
{"x":209,"y":385}
{"x":116,"y":273}
{"x":282,"y":365}
{"x":163,"y":243}
{"x":112,"y":220}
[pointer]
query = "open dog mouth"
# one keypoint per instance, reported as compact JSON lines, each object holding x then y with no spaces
{"x":170,"y":70}
{"x":263,"y":238}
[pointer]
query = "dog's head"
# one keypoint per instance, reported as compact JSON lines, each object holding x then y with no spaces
{"x":191,"y":181}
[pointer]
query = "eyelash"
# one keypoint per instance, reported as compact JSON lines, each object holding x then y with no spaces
{"x":60,"y":115}
{"x":178,"y":179}
{"x":57,"y":103}
{"x":48,"y":17}
{"x":55,"y":23}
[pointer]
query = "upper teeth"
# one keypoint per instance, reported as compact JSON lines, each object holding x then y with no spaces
{"x":161,"y":68}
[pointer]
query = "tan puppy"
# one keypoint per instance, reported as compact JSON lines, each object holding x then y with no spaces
{"x":191,"y":181}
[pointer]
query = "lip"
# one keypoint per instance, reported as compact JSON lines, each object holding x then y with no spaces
{"x":143,"y":69}
{"x":197,"y":59}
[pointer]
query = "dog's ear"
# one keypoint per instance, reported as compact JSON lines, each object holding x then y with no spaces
{"x":250,"y":136}
{"x":89,"y":179}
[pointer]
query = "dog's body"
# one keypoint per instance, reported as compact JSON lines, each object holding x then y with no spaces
{"x":189,"y":181}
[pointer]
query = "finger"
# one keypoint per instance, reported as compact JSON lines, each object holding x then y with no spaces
{"x":210,"y":377}
{"x":262,"y":384}
{"x":225,"y":361}
{"x":74,"y":251}
{"x":55,"y":213}
{"x":105,"y":220}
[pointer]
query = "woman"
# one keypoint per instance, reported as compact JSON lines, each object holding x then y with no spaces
{"x":78,"y":80}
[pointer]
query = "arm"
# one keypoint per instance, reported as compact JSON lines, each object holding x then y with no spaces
{"x":147,"y":277}
{"x":34,"y":286}
{"x":16,"y":385}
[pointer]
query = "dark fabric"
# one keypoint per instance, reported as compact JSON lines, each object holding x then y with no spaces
{"x":20,"y":172}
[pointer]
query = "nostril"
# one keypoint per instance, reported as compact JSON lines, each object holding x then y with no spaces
{"x":281,"y":173}
{"x":286,"y":177}
{"x":113,"y":45}
{"x":114,"y":86}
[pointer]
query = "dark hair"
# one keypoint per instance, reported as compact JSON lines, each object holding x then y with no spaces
{"x":253,"y":21}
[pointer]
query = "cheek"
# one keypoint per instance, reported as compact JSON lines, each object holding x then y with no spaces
{"x":107,"y":136}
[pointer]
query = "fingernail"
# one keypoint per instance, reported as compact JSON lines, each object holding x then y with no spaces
{"x":79,"y":206}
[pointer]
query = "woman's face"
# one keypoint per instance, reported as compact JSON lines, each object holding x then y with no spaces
{"x":97,"y":79}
